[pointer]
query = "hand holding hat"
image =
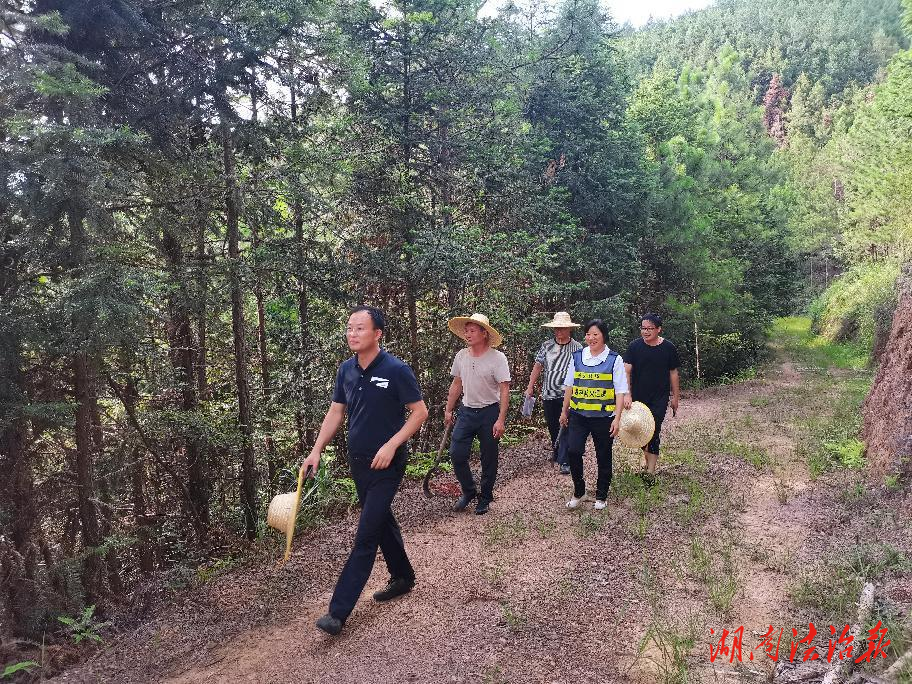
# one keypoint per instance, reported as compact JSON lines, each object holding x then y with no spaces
{"x":637,"y":426}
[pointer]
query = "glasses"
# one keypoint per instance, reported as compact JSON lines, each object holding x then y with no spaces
{"x":647,"y":328}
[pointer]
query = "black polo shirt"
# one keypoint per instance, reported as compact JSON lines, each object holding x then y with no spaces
{"x":651,"y":383}
{"x":375,"y":399}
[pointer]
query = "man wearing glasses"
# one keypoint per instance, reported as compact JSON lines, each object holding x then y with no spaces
{"x":652,"y":370}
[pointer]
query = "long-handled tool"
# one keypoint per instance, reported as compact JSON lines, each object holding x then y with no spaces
{"x":436,"y":469}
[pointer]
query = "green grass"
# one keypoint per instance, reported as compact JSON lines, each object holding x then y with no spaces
{"x":831,"y":593}
{"x":494,"y":574}
{"x":517,"y":432}
{"x":546,"y":527}
{"x":421,"y":462}
{"x":494,"y":674}
{"x":757,"y":457}
{"x":721,"y":439}
{"x":892,"y":482}
{"x":674,"y":645}
{"x":696,"y":497}
{"x":514,"y":619}
{"x":684,"y":456}
{"x":826,"y":414}
{"x":589,"y":525}
{"x":714,"y":566}
{"x":505,"y":532}
{"x":794,"y":334}
{"x":829,"y":441}
{"x":625,"y":483}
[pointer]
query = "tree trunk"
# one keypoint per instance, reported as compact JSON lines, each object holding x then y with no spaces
{"x":140,"y":520}
{"x":85,"y":476}
{"x":203,"y":285}
{"x":248,"y":464}
{"x":265,"y":378}
{"x":16,"y":479}
{"x":84,"y":394}
{"x":182,"y":354}
{"x":303,"y":314}
{"x":268,"y":441}
{"x":696,"y":334}
{"x":111,"y":557}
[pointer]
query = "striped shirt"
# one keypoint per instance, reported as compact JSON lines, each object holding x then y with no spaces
{"x":555,"y":360}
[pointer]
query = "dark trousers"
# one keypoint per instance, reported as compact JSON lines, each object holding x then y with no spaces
{"x":471,"y":423}
{"x":600,"y":429}
{"x":552,"y":409}
{"x":658,"y":407}
{"x":377,"y":527}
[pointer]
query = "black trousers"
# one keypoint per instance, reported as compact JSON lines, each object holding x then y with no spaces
{"x":552,"y":409}
{"x":600,"y":429}
{"x":471,"y":423}
{"x":658,"y":407}
{"x":377,"y":528}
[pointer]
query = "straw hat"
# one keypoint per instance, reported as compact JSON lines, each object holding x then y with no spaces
{"x":282,"y":512}
{"x":457,"y":327}
{"x":637,"y":426}
{"x":561,"y":320}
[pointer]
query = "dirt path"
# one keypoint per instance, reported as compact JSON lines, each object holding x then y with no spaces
{"x":530,"y":592}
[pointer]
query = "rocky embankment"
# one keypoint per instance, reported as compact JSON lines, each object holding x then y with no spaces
{"x":888,"y":408}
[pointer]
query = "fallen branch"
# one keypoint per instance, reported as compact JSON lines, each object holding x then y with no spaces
{"x":805,"y":672}
{"x":891,"y":674}
{"x":865,"y":606}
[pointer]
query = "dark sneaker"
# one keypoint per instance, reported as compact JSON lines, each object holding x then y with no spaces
{"x":649,"y":479}
{"x":482,"y":507}
{"x":565,"y":469}
{"x":330,"y":624}
{"x":397,"y":586}
{"x":463,"y":502}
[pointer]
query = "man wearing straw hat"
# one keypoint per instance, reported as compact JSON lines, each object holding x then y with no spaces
{"x":652,"y":364}
{"x":481,"y":375}
{"x":374,"y":388}
{"x":552,"y":361}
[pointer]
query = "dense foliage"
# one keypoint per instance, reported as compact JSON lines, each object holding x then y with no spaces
{"x":194,"y":193}
{"x":832,"y":79}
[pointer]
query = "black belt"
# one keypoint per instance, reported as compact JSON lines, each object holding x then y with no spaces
{"x":476,"y":410}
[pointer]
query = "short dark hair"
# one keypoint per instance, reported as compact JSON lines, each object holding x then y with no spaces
{"x":600,"y":324}
{"x":653,"y":318}
{"x":377,"y":316}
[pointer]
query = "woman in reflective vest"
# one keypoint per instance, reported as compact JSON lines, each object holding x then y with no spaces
{"x":594,"y":391}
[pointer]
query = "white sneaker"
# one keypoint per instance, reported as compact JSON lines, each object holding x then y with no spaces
{"x":600,"y":505}
{"x":575,"y":502}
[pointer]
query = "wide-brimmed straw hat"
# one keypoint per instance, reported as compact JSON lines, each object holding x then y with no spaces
{"x":457,"y":327}
{"x":637,"y":426}
{"x":561,"y":320}
{"x":282,"y":512}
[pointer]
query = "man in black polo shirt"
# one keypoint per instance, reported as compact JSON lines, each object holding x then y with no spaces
{"x":374,"y":388}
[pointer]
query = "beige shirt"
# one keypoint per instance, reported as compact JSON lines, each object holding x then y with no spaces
{"x":481,"y":376}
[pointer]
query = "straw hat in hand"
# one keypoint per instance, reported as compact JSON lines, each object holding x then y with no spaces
{"x":637,"y":426}
{"x":282,"y":512}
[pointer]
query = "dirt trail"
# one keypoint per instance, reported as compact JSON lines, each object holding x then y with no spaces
{"x":528,"y":593}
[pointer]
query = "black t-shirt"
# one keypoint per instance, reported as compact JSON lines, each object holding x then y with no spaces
{"x":649,"y":378}
{"x":375,"y":399}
